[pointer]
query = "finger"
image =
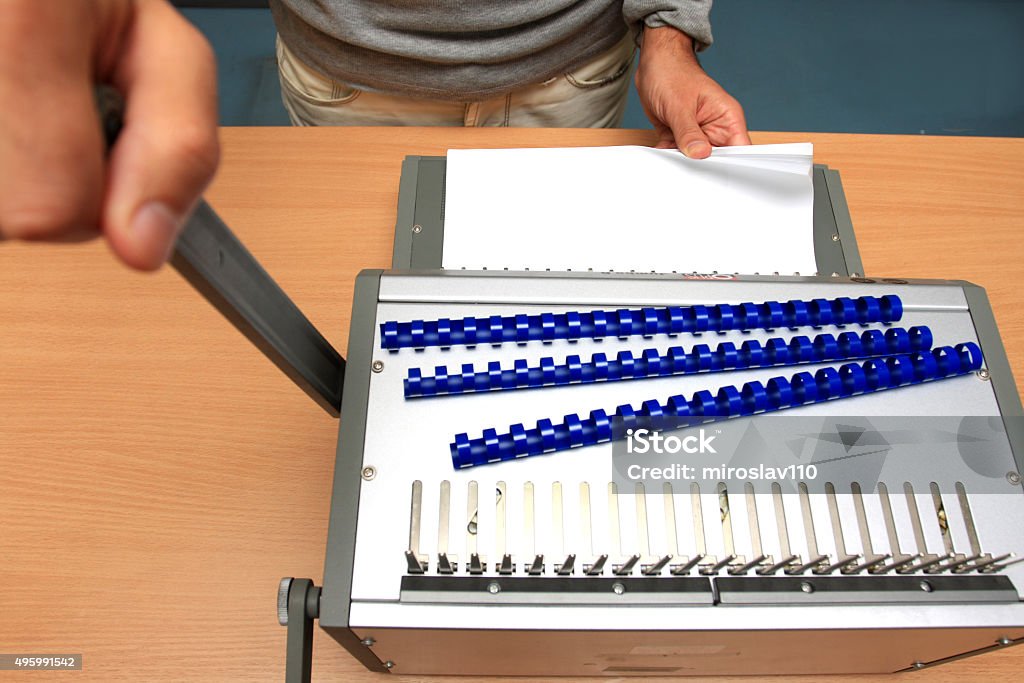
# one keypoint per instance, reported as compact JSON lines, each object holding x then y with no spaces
{"x":739,"y":138}
{"x":167,"y":151}
{"x":738,"y":130}
{"x":51,"y":154}
{"x":665,"y":138}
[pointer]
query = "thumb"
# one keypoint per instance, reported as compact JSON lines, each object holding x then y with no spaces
{"x":690,"y":139}
{"x":167,"y":151}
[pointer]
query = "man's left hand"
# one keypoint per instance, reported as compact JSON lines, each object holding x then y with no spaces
{"x":688,"y":108}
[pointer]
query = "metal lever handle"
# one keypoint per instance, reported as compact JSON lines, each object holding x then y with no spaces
{"x":217,"y":264}
{"x":298,"y":603}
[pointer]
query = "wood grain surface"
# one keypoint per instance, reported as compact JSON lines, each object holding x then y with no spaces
{"x":158,"y":475}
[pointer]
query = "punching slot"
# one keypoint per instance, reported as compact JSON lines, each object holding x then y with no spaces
{"x":707,"y":563}
{"x":760,"y":560}
{"x":507,"y":566}
{"x":928,"y":560}
{"x":959,"y":562}
{"x":558,"y":529}
{"x":445,"y":564}
{"x":844,"y":561}
{"x":965,"y":510}
{"x":649,"y":565}
{"x":872,"y":560}
{"x":596,"y":566}
{"x":940,"y":515}
{"x":642,"y":533}
{"x":623,"y":565}
{"x":417,"y":563}
{"x":788,"y":560}
{"x":685,"y":564}
{"x":901,"y":562}
{"x":557,"y":522}
{"x":476,"y":564}
{"x":732,"y":560}
{"x":982,"y":560}
{"x":815,"y":559}
{"x":536,"y":565}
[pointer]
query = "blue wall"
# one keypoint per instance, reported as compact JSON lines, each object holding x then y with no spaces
{"x":951,"y":67}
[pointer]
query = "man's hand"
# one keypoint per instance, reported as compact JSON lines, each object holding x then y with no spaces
{"x":688,"y":108}
{"x":57,"y":185}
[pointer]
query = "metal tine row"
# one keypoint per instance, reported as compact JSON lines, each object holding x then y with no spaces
{"x":620,"y":561}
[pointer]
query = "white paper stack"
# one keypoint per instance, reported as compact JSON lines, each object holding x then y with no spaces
{"x":743,"y":210}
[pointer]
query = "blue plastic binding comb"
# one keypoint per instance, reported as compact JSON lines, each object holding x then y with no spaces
{"x":676,"y":361}
{"x":496,"y":329}
{"x":779,"y":393}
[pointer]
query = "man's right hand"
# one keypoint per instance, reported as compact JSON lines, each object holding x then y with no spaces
{"x":55,"y":181}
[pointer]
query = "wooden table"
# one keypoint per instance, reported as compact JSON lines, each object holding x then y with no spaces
{"x":158,"y":475}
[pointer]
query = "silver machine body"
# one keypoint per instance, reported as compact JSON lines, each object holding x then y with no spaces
{"x":896,"y":557}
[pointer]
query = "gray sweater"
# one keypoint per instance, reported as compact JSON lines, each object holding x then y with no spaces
{"x":470,"y":50}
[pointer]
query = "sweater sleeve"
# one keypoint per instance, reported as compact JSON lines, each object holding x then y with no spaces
{"x":692,"y":17}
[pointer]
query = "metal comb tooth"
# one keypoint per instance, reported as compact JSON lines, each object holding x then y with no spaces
{"x":708,"y":563}
{"x":506,"y":565}
{"x":596,"y":566}
{"x":565,"y":567}
{"x":416,"y":562}
{"x":940,"y":515}
{"x":844,"y":560}
{"x":955,"y":559}
{"x":817,"y":560}
{"x":872,"y":560}
{"x":623,"y":565}
{"x":685,"y":564}
{"x":900,"y":560}
{"x":735,"y":562}
{"x":927,"y":560}
{"x":782,"y":529}
{"x":476,"y":564}
{"x":649,"y":564}
{"x":978,"y":558}
{"x":760,"y":560}
{"x":446,"y":564}
{"x":536,"y":564}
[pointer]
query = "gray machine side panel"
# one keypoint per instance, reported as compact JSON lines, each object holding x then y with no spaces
{"x":402,"y":253}
{"x":843,"y":222}
{"x":428,"y":243}
{"x":421,"y":203}
{"x":998,"y":365}
{"x":829,"y":252}
{"x":419,"y":228}
{"x":341,"y":536}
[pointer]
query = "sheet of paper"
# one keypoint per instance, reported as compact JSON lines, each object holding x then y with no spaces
{"x":744,"y":210}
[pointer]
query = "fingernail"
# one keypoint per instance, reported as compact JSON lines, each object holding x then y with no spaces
{"x":693,"y":148}
{"x":155,"y":226}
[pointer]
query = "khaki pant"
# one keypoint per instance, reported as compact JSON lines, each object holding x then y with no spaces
{"x":591,"y":96}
